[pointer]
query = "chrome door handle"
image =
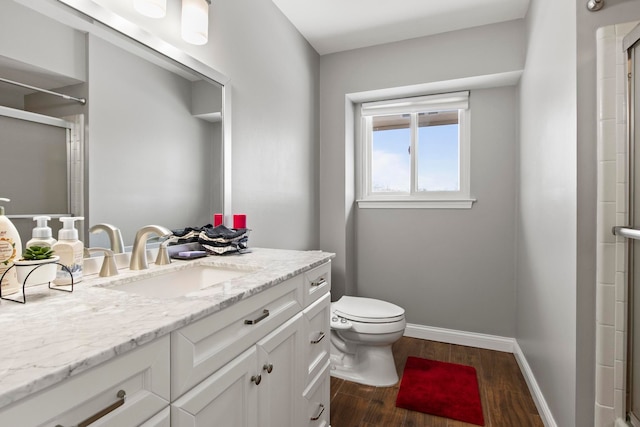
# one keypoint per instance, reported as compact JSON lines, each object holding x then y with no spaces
{"x":320,"y":337}
{"x":317,"y":417}
{"x":268,"y":368}
{"x":321,"y":281}
{"x":256,"y":379}
{"x":95,"y":417}
{"x":264,"y":315}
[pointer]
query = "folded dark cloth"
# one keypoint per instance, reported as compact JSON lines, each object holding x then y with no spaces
{"x":219,"y":240}
{"x":188,"y":234}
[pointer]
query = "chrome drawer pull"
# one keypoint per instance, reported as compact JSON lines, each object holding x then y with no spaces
{"x":264,"y":315}
{"x":256,"y":379}
{"x":317,"y":417}
{"x":95,"y":417}
{"x":268,"y":368}
{"x":321,"y":281}
{"x":320,"y":336}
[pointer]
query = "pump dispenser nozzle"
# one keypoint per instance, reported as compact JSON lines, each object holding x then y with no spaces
{"x":42,"y":230}
{"x":68,"y":230}
{"x":3,"y":199}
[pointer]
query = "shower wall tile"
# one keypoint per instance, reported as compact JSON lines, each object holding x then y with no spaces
{"x":605,"y":307}
{"x":607,"y":129}
{"x":604,"y":385}
{"x":606,"y":252}
{"x":621,"y":289}
{"x":611,"y":267}
{"x":621,"y":138}
{"x":619,"y":343}
{"x":621,"y":200}
{"x":607,"y":212}
{"x":621,"y":162}
{"x":605,"y":355}
{"x":621,"y":320}
{"x":603,"y":416}
{"x":607,"y":107}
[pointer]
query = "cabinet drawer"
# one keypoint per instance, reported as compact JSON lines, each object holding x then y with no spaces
{"x":317,"y":282}
{"x":143,"y":375}
{"x":317,"y":336}
{"x":199,"y":349}
{"x":317,"y":399}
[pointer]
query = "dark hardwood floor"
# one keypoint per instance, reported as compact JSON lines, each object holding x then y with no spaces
{"x":506,"y":401}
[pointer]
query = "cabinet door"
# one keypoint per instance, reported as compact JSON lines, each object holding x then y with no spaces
{"x":229,"y":397}
{"x":317,"y":330}
{"x":161,"y":419}
{"x":317,"y":397}
{"x":280,"y":401}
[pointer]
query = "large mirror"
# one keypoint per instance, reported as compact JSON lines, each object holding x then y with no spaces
{"x":147,"y":146}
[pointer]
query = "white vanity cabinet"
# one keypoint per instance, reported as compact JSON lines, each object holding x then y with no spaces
{"x":126,"y":391}
{"x":256,"y":373}
{"x":259,"y":362}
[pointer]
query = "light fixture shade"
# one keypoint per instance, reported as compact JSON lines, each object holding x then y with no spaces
{"x":151,"y":8}
{"x":195,"y":21}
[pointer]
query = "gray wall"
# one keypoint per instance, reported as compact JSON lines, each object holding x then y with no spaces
{"x":453,"y":268}
{"x":454,"y":57}
{"x":546,"y":265}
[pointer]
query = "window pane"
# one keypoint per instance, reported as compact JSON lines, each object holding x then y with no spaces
{"x":390,"y":157}
{"x":438,"y":151}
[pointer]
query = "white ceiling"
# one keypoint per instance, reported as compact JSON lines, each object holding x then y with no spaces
{"x":338,"y":25}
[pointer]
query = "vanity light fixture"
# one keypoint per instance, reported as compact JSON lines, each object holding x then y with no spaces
{"x":195,"y":21}
{"x":151,"y":8}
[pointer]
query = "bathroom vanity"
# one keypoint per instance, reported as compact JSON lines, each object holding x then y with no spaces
{"x":247,"y":351}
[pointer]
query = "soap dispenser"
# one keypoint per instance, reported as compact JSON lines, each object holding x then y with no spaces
{"x":41,"y":235}
{"x":10,"y":249}
{"x":70,"y":250}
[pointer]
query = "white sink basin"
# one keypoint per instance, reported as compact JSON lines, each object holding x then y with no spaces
{"x":181,"y":282}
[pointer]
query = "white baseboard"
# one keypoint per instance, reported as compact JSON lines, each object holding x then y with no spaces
{"x":489,"y":342}
{"x":450,"y":336}
{"x":619,"y":423}
{"x":536,"y":393}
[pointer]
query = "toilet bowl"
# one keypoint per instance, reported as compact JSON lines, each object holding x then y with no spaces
{"x":362,"y":333}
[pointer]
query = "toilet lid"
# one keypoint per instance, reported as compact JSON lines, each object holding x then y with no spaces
{"x":367,"y":310}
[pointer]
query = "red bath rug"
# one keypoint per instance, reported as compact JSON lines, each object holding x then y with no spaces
{"x":443,"y":389}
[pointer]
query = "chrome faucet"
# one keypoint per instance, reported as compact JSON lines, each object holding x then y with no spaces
{"x":139,"y":251}
{"x":115,"y":237}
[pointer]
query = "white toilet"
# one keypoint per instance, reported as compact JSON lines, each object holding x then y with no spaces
{"x":362,"y":332}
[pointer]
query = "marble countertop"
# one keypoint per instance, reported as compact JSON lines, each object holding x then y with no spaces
{"x":56,"y":335}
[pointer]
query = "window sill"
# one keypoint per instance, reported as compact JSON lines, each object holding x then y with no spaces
{"x":415,"y":204}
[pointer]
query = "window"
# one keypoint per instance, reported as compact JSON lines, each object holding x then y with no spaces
{"x":415,"y":152}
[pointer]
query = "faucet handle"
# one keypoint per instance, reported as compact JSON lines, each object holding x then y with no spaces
{"x":109,"y":267}
{"x":163,"y":253}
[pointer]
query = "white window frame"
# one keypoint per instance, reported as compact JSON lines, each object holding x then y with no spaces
{"x":460,"y":199}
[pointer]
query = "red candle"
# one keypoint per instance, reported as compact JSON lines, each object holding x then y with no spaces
{"x":217,"y":219}
{"x":239,"y":221}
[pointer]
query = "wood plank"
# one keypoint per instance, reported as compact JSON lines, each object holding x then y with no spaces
{"x":505,"y":397}
{"x":347,"y":410}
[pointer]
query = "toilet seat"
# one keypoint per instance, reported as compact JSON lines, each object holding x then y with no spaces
{"x":367,"y":310}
